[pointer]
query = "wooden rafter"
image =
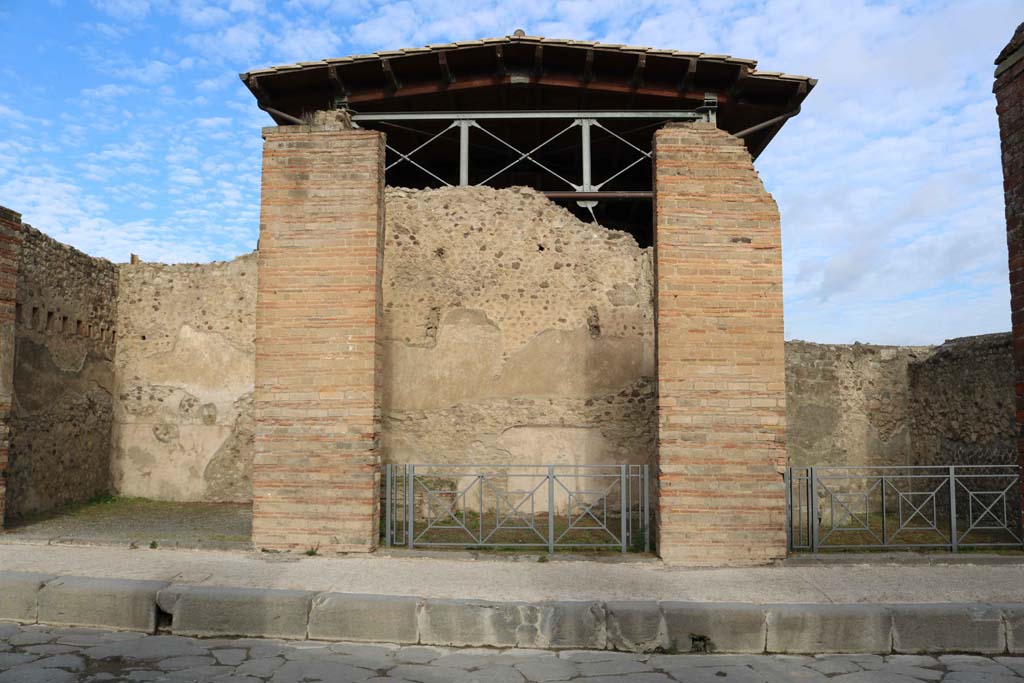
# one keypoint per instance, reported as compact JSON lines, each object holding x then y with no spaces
{"x":687,"y":79}
{"x":385,"y":64}
{"x":499,"y":58}
{"x":588,"y":68}
{"x":638,"y":71}
{"x":446,"y":73}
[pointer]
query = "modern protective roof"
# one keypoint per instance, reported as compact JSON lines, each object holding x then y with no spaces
{"x":535,"y":73}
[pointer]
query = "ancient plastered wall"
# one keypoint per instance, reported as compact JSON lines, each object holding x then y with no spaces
{"x":184,"y":381}
{"x":849,"y":404}
{"x":962,"y":403}
{"x":513,"y":332}
{"x":721,"y":360}
{"x":62,"y":409}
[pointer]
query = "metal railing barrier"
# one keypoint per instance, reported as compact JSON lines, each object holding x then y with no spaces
{"x":547,"y":507}
{"x":938,"y":507}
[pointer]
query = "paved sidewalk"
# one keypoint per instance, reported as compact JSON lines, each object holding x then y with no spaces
{"x":31,"y":654}
{"x":872,"y":580}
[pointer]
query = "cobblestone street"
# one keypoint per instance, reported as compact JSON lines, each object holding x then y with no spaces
{"x":35,"y":654}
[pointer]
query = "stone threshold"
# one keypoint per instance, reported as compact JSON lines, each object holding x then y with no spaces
{"x":626,"y":626}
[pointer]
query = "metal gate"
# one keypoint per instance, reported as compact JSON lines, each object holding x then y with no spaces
{"x":546,"y":507}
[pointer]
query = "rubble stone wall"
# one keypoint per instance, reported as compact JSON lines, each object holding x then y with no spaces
{"x":62,"y":408}
{"x":849,"y":404}
{"x":962,"y":403}
{"x":861,"y":404}
{"x":513,"y":332}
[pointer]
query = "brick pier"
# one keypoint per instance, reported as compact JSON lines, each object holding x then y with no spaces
{"x":317,"y":401}
{"x":1009,"y":91}
{"x":720,"y":352}
{"x":10,"y":247}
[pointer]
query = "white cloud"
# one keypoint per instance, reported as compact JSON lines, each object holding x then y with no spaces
{"x":240,"y":43}
{"x":110,"y":90}
{"x":124,"y":10}
{"x":151,"y":72}
{"x":305,"y":43}
{"x":202,"y":13}
{"x":213,"y":122}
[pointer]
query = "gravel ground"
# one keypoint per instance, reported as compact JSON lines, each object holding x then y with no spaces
{"x":223,"y":526}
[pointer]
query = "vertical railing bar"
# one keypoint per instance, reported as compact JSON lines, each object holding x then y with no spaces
{"x":410,"y":493}
{"x":812,"y":504}
{"x":807,"y":507}
{"x":551,"y":510}
{"x":953,"y":540}
{"x":647,"y":508}
{"x":387,"y":505}
{"x":622,"y":501}
{"x":1020,"y":506}
{"x":789,"y":511}
{"x":884,"y":541}
{"x":480,"y":517}
{"x":628,"y":509}
{"x":798,"y":516}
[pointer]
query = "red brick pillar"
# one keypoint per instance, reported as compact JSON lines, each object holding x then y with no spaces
{"x":1009,"y":90}
{"x":719,"y":336}
{"x":317,"y":402}
{"x":10,"y":250}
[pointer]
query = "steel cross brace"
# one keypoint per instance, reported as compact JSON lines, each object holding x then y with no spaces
{"x":585,"y":120}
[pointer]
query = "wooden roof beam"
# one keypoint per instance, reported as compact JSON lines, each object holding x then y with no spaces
{"x":446,"y":73}
{"x":588,"y":68}
{"x":340,"y":91}
{"x":687,"y":80}
{"x":551,"y":80}
{"x":538,"y":61}
{"x":393,"y":81}
{"x":638,"y":71}
{"x":499,"y":57}
{"x":742,"y":73}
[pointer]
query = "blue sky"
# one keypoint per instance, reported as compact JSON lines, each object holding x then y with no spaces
{"x":124,"y":129}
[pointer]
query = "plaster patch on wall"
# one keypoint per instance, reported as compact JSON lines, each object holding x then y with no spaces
{"x":185,"y":373}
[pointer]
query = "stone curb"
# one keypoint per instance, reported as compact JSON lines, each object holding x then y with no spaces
{"x":628,"y":626}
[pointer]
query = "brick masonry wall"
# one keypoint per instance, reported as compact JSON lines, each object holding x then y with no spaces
{"x":720,"y":352}
{"x":1009,"y":91}
{"x":317,"y":393}
{"x":10,"y":249}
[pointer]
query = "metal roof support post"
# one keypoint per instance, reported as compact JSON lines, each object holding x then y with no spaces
{"x":711,"y":108}
{"x":587,"y":180}
{"x":464,"y":126}
{"x":585,"y":135}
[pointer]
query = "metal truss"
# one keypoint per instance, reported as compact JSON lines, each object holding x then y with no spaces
{"x":584,"y":189}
